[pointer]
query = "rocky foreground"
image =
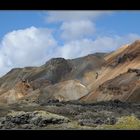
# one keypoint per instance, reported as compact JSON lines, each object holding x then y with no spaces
{"x":71,"y":115}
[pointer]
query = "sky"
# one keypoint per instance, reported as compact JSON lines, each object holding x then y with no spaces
{"x":30,"y":38}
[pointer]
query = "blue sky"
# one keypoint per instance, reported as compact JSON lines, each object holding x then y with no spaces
{"x":30,"y":38}
{"x":14,"y":20}
{"x":120,"y":22}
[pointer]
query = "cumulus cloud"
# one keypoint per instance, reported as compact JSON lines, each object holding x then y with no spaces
{"x":28,"y":47}
{"x":77,"y":29}
{"x":78,"y":48}
{"x":75,"y":24}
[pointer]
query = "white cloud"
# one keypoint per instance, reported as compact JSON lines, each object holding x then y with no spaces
{"x":78,"y":48}
{"x":28,"y":47}
{"x":75,"y":24}
{"x":77,"y":29}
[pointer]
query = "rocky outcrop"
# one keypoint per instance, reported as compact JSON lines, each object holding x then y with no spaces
{"x":30,"y":120}
{"x":56,"y":69}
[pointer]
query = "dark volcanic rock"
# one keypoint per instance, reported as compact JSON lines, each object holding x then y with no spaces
{"x":137,"y":71}
{"x":56,"y":69}
{"x":31,"y":120}
{"x":55,"y":61}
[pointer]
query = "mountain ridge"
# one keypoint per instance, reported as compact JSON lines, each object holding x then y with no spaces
{"x":55,"y":71}
{"x":85,"y":78}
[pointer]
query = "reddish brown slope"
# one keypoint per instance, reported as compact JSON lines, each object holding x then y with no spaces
{"x":116,"y":63}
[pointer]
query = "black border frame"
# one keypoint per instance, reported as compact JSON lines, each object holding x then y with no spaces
{"x":70,"y":5}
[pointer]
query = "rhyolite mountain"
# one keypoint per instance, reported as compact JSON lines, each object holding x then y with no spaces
{"x":58,"y":79}
{"x":120,"y":76}
{"x":92,"y":78}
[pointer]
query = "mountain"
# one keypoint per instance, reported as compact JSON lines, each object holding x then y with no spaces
{"x":55,"y":79}
{"x":92,"y":78}
{"x":119,"y":78}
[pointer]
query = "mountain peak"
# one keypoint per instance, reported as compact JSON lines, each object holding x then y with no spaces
{"x":54,"y":61}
